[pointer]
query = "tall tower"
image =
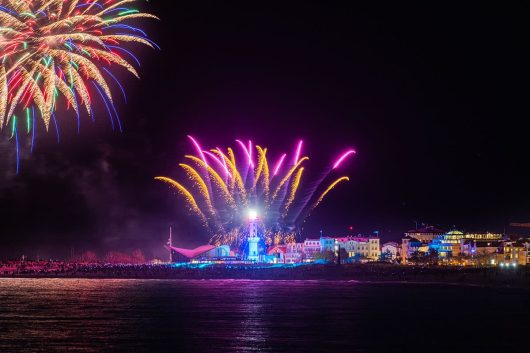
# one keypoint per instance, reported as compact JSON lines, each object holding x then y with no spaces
{"x":253,"y":238}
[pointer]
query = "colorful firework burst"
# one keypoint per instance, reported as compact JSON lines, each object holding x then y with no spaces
{"x":62,"y":48}
{"x":224,"y":188}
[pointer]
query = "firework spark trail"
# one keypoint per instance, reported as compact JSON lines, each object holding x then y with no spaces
{"x":298,"y":151}
{"x":292,"y":192}
{"x":324,"y":177}
{"x":287,"y":177}
{"x":263,"y":172}
{"x":250,"y":164}
{"x":279,"y":164}
{"x":201,"y":185}
{"x":55,"y":48}
{"x":223,"y":207}
{"x":221,"y":155}
{"x":236,"y":179}
{"x":217,"y":180}
{"x":261,"y":162}
{"x":219,"y":162}
{"x":198,"y":148}
{"x":266,"y":175}
{"x":187,"y":195}
{"x":231,"y":161}
{"x":329,"y":188}
{"x":342,"y":158}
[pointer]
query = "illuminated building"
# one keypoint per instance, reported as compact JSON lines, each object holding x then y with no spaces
{"x":516,"y":252}
{"x":455,"y":243}
{"x":311,"y":247}
{"x":420,"y":240}
{"x":327,"y":244}
{"x":294,"y":252}
{"x":470,"y":247}
{"x":448,"y":244}
{"x":277,"y":254}
{"x":363,"y":247}
{"x":409,"y":245}
{"x":391,"y":248}
{"x":374,"y":249}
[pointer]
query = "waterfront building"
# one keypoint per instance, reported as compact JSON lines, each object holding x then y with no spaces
{"x":311,"y":247}
{"x":374,"y":248}
{"x":409,"y":245}
{"x":363,"y":247}
{"x":448,"y":244}
{"x":455,"y":243}
{"x":294,"y":252}
{"x":277,"y":253}
{"x":391,"y":248}
{"x":470,"y":247}
{"x":327,"y":244}
{"x":516,"y":252}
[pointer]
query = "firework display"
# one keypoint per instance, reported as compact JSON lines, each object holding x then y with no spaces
{"x":225,"y":185}
{"x":63,"y":51}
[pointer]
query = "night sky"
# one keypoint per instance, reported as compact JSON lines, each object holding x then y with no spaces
{"x":433,"y":98}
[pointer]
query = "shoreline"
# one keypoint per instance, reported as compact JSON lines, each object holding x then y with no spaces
{"x":491,"y":286}
{"x":365,"y":273}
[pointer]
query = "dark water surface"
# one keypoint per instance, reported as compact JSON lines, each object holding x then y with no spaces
{"x":86,"y":315}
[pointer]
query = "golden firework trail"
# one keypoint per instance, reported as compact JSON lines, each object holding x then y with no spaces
{"x":217,"y":179}
{"x":294,"y":187}
{"x":201,"y":185}
{"x":331,"y":187}
{"x":187,"y":195}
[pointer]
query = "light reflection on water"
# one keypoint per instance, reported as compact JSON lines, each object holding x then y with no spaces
{"x":92,"y":315}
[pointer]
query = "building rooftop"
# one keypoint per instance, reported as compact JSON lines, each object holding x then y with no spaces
{"x":277,"y":248}
{"x":427,"y":229}
{"x":191,"y":253}
{"x":408,"y":237}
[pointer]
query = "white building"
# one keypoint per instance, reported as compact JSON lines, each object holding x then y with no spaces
{"x":294,"y":252}
{"x":391,"y":248}
{"x":311,"y":247}
{"x":365,"y":247}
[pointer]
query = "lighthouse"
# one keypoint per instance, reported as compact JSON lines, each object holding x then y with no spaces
{"x":253,"y":238}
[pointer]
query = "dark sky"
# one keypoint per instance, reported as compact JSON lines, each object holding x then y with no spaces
{"x":433,"y":97}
